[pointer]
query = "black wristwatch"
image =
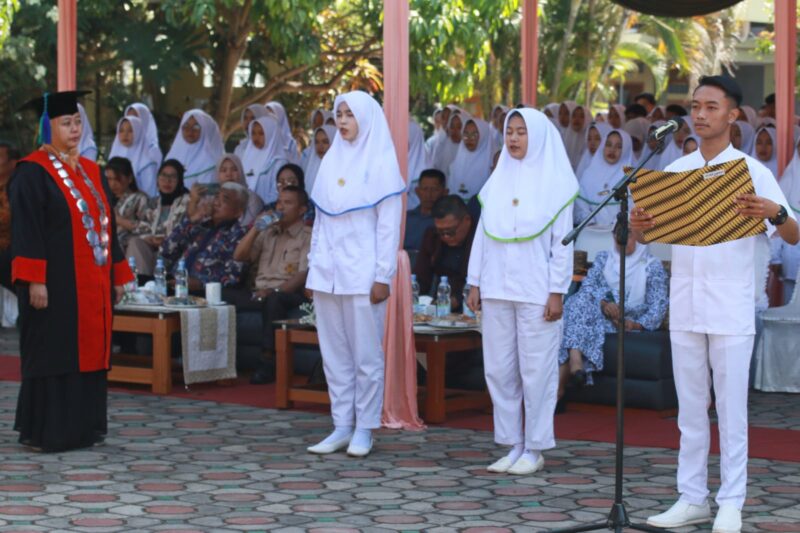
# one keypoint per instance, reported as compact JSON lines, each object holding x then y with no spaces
{"x":780,"y":218}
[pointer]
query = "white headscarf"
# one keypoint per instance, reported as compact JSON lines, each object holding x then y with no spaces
{"x":524,"y":196}
{"x":600,"y":177}
{"x":254,"y":203}
{"x":672,"y":152}
{"x":790,"y":181}
{"x":261,"y":164}
{"x":313,"y":162}
{"x":258,"y":111}
{"x":445,"y":150}
{"x":470,"y":170}
{"x":438,"y":135}
{"x":571,"y":106}
{"x":497,"y":135}
{"x":139,"y":154}
{"x":751,"y":114}
{"x":289,"y":144}
{"x":655,"y":162}
{"x":748,"y":136}
{"x":150,"y":128}
{"x":620,"y":109}
{"x":772,"y":164}
{"x":575,"y":141}
{"x":553,"y":107}
{"x":637,"y":128}
{"x":418,"y":160}
{"x":325,"y":116}
{"x":359,"y":174}
{"x":696,"y":140}
{"x":586,"y":158}
{"x":636,"y":266}
{"x":86,"y":147}
{"x":199,"y":159}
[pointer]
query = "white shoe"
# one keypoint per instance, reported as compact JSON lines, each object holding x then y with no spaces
{"x":355,"y":450}
{"x":525,"y":466}
{"x":501,"y":465}
{"x":729,"y":520}
{"x":325,"y":447}
{"x":681,"y":514}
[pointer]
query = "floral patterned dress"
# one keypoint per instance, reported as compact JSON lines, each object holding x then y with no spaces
{"x":585,"y":326}
{"x":131,"y":206}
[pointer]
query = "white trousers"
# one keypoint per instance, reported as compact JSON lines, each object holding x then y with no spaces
{"x":350,"y":331}
{"x":520,"y":359}
{"x":696,"y":357}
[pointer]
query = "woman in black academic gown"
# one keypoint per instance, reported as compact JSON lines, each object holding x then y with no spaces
{"x":68,"y":270}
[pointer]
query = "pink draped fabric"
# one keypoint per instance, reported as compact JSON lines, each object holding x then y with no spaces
{"x":400,"y":391}
{"x":785,"y":61}
{"x":530,"y":51}
{"x":67,"y":44}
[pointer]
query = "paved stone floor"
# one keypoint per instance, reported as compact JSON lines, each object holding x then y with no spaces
{"x":181,"y":465}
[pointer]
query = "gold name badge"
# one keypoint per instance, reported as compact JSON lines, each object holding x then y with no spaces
{"x":515,"y":202}
{"x":341,"y":182}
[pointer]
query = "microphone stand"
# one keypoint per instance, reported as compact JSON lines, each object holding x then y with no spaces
{"x":618,"y":517}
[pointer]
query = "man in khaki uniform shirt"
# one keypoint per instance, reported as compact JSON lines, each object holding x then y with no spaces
{"x":281,"y":254}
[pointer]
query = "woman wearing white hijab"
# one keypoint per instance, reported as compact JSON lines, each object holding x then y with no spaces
{"x":743,"y":136}
{"x":131,"y":143}
{"x":249,"y":114}
{"x":497,"y":119}
{"x":318,"y":118}
{"x":87,"y":147}
{"x":144,"y":114}
{"x":418,"y":161}
{"x":575,"y":134}
{"x":564,"y":117}
{"x":197,"y":146}
{"x":674,"y":150}
{"x":472,"y":165}
{"x":765,"y":149}
{"x":637,"y":128}
{"x":749,"y":114}
{"x":447,"y":147}
{"x":605,"y":170}
{"x":320,"y":144}
{"x":438,"y":131}
{"x":263,"y":157}
{"x":229,"y":169}
{"x":289,"y":144}
{"x":353,"y":257}
{"x":519,"y":272}
{"x":595,"y":138}
{"x":654,"y":163}
{"x":789,"y":255}
{"x":616,"y":116}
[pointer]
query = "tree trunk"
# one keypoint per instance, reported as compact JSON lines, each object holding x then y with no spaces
{"x":574,"y":7}
{"x":613,"y":43}
{"x":587,"y":92}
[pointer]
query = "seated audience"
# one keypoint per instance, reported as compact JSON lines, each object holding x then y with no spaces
{"x":129,"y":202}
{"x":446,"y":247}
{"x":280,"y":254}
{"x":229,"y":169}
{"x":163,"y":213}
{"x":593,"y":312}
{"x":430,"y":187}
{"x":206,"y":243}
{"x":291,"y":175}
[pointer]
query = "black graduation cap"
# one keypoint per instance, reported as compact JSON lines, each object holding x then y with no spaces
{"x":53,"y":105}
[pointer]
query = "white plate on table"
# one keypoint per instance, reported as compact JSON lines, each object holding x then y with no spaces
{"x":218,"y":304}
{"x":453,"y":324}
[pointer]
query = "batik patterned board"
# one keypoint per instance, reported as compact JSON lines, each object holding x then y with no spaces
{"x":696,"y":207}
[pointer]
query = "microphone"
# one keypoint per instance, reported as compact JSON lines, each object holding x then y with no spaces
{"x":672,"y":125}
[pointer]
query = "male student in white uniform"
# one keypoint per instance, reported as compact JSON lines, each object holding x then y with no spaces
{"x":712,"y":315}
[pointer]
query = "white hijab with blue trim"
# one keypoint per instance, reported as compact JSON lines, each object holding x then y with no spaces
{"x":524,"y":196}
{"x":361,"y":173}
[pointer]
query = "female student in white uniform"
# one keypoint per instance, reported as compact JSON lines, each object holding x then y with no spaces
{"x":263,"y":157}
{"x":604,"y":171}
{"x":472,"y":165}
{"x":249,"y":114}
{"x":353,"y":257}
{"x":519,"y":272}
{"x":198,"y":147}
{"x":712,"y":320}
{"x":131,"y":143}
{"x":143,"y":113}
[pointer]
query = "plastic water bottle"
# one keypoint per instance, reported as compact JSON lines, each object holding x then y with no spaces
{"x":160,"y":275}
{"x":467,"y":311}
{"x":443,"y":304}
{"x":414,"y":291}
{"x":267,"y":220}
{"x":181,"y":280}
{"x":131,"y":286}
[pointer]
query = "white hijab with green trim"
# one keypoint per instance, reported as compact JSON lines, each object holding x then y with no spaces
{"x":523,"y":197}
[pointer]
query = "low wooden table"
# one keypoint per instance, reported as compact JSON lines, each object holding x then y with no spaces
{"x":437,"y":400}
{"x":161,"y":326}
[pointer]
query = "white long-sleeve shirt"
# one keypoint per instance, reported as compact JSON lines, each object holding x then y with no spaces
{"x":711,"y":287}
{"x":352,"y":251}
{"x":525,"y":271}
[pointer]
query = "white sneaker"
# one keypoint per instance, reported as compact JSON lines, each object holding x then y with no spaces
{"x":330,"y":445}
{"x":681,"y":514}
{"x":729,"y":520}
{"x":525,"y":466}
{"x":500,"y":466}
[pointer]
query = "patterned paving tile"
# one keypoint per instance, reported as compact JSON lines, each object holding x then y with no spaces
{"x":186,"y":465}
